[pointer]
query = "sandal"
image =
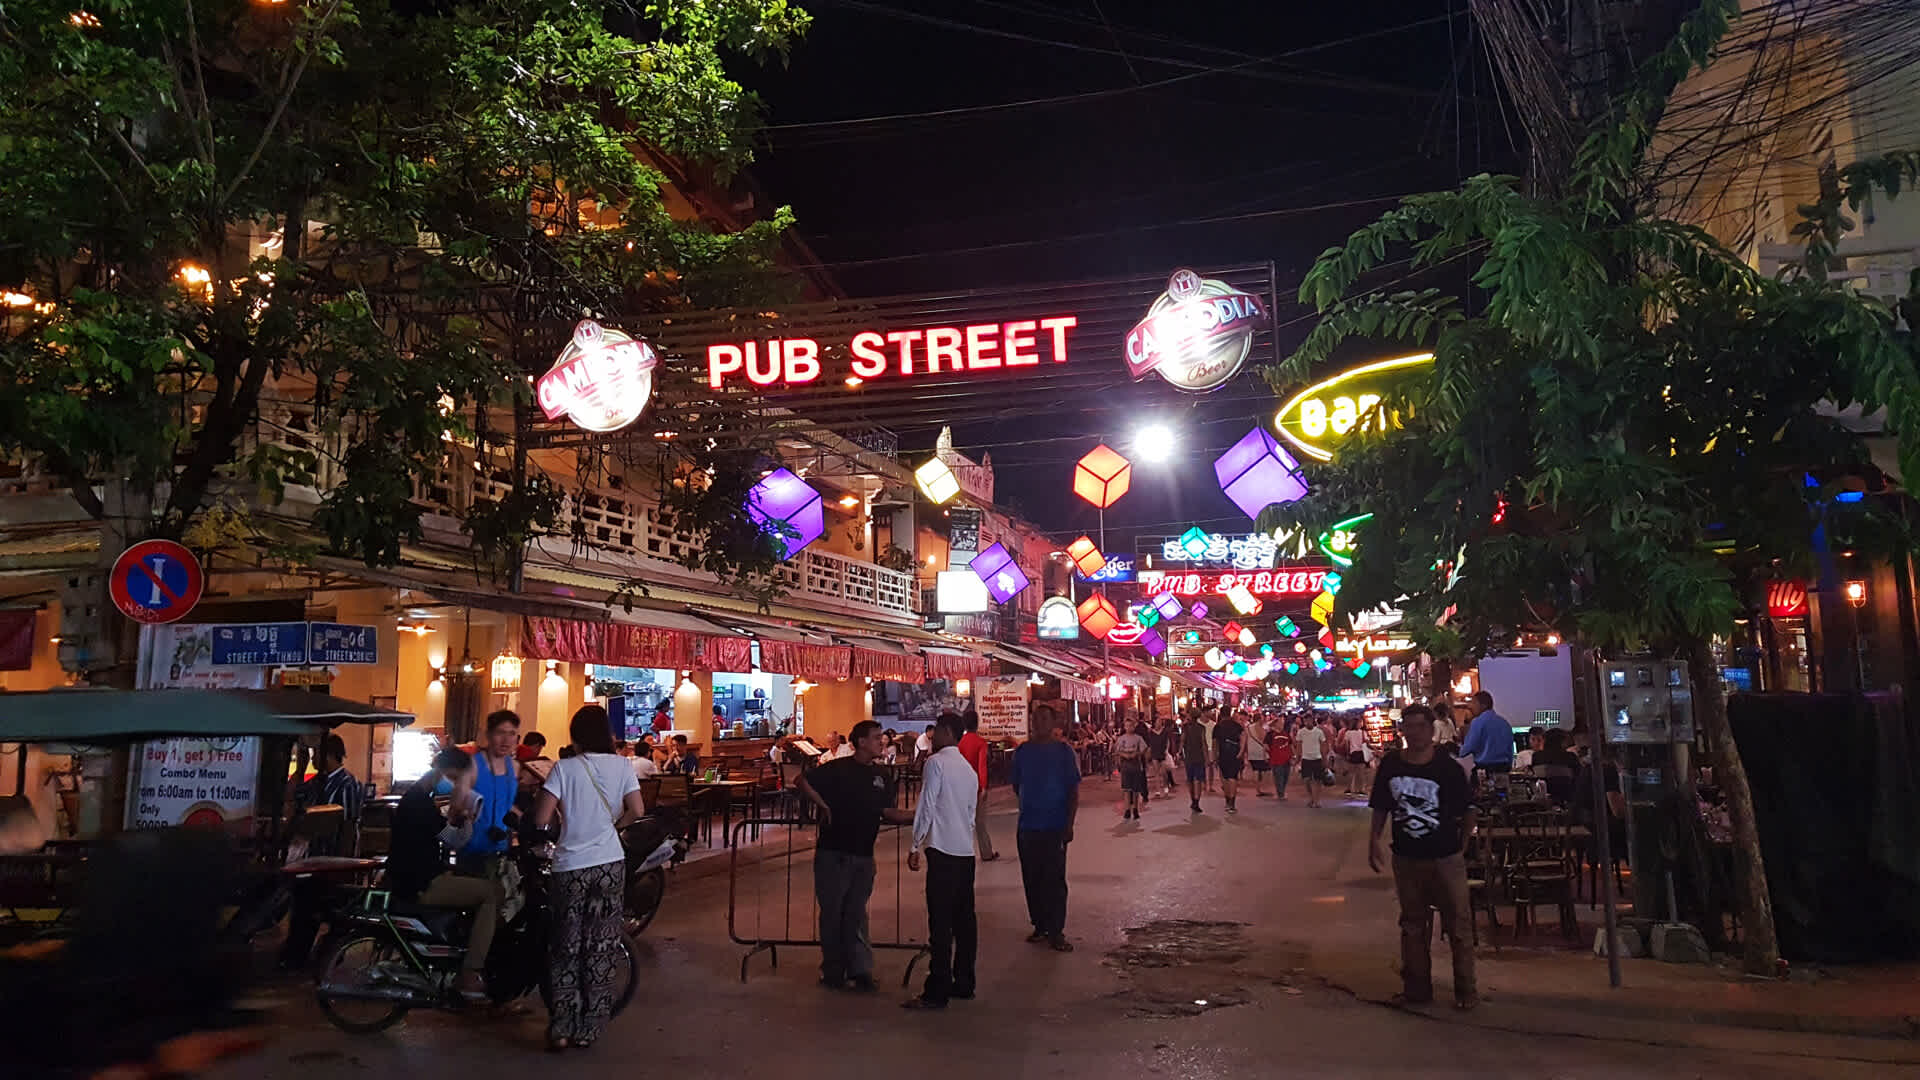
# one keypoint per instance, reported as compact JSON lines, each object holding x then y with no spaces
{"x":554,"y":1045}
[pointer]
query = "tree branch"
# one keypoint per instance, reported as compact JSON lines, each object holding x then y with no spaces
{"x":290,"y":84}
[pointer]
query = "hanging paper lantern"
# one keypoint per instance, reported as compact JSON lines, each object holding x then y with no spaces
{"x":783,"y":498}
{"x":1244,"y":637}
{"x":937,"y":481}
{"x":1266,"y":650}
{"x":1257,"y":472}
{"x":1241,"y":668}
{"x":1195,"y":542}
{"x":1097,"y":616}
{"x":1168,"y":605}
{"x":1151,"y":641}
{"x":1198,"y":610}
{"x":1102,"y":476}
{"x":1362,"y":669}
{"x":1086,"y":556}
{"x":1231,"y":631}
{"x":1300,"y":647}
{"x":1148,"y":616}
{"x":1286,"y":626}
{"x":1003,"y":576}
{"x":1293,"y":668}
{"x":1322,"y":608}
{"x":1243,"y":600}
{"x":1331,"y":583}
{"x":1326,"y":636}
{"x":1215,"y":658}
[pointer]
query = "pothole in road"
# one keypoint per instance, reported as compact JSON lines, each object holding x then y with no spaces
{"x":1141,"y":1003}
{"x":1167,"y":943}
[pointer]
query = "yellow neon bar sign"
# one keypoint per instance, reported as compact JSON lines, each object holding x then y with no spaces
{"x":1325,"y":414}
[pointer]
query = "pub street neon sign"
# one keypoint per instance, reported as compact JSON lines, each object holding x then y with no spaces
{"x":1291,"y":581}
{"x":601,"y":381}
{"x":930,"y":350}
{"x":1197,"y":334}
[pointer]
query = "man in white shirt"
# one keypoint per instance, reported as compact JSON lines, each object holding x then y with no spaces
{"x":923,"y":746}
{"x":1310,"y":749}
{"x":644,"y":767}
{"x":943,"y":828}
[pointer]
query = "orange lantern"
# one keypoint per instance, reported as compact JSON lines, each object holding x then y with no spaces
{"x":1102,"y":476}
{"x":1098,"y":616}
{"x":1086,"y":556}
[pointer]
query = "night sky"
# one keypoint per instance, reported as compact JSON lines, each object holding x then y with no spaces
{"x":1375,"y":99}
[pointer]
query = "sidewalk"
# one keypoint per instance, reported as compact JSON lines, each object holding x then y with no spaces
{"x":1545,"y":984}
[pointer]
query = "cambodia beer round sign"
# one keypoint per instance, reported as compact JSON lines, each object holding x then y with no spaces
{"x":602,"y":380}
{"x":1197,"y":334}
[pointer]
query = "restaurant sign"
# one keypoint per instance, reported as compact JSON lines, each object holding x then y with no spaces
{"x":602,"y":380}
{"x":1057,"y":619}
{"x":1290,"y":581}
{"x":1786,"y":599}
{"x":1319,"y":418}
{"x":1197,"y":334}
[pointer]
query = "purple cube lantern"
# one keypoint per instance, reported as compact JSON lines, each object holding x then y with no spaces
{"x":1003,"y":576}
{"x":783,"y":497}
{"x":1168,"y":605}
{"x":1257,"y":472}
{"x":1198,"y":610}
{"x":1153,"y":642}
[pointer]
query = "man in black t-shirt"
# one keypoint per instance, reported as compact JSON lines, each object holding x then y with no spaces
{"x":854,"y":796}
{"x":1230,"y":751}
{"x":1425,"y":796}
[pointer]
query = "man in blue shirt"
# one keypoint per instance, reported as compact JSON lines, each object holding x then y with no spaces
{"x":1046,"y":777}
{"x":1489,"y":739}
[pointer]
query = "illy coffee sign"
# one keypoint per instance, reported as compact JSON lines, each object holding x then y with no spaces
{"x":1197,"y":334}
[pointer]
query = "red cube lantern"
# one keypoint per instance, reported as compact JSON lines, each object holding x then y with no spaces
{"x":1098,"y":616}
{"x":1231,"y":631}
{"x":1086,"y":556}
{"x":1102,"y":476}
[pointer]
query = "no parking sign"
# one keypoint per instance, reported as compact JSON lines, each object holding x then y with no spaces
{"x":156,"y":581}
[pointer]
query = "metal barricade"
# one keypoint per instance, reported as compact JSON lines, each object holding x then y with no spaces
{"x":770,"y":896}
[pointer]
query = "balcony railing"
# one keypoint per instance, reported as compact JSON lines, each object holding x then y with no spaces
{"x":618,"y":532}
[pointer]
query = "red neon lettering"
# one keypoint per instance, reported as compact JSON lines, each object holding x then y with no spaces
{"x":1263,"y":582}
{"x":982,"y":352}
{"x":1318,"y":578}
{"x":905,"y":338}
{"x":720,"y":360}
{"x":943,"y":343}
{"x":1192,"y":584}
{"x":770,"y":374}
{"x":1019,"y":339}
{"x":868,"y":360}
{"x":1059,"y":325}
{"x":803,"y":360}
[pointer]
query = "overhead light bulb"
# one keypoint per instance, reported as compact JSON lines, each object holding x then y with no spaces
{"x":1154,"y":443}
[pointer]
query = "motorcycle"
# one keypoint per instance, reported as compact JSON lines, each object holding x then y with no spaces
{"x":393,"y":956}
{"x":651,"y":844}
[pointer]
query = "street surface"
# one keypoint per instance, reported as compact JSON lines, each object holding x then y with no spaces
{"x":1205,"y":947}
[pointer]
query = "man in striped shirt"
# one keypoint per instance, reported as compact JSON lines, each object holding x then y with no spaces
{"x":330,"y":785}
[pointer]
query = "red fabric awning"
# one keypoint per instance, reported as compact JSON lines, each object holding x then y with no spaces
{"x":633,"y":645}
{"x":951,"y":665}
{"x":876,"y":664}
{"x":809,"y":661}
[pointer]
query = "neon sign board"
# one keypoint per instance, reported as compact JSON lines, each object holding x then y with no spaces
{"x":602,"y":380}
{"x":930,"y":350}
{"x":1292,"y":581}
{"x":1197,"y":334}
{"x":1057,"y":620}
{"x":1322,"y":416}
{"x":1119,"y":568}
{"x":1254,"y":551}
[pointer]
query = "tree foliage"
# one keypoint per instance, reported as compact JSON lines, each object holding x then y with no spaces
{"x":218,"y":205}
{"x":1615,"y":436}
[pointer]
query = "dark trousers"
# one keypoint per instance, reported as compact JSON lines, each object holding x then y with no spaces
{"x":952,"y":931}
{"x":843,"y":884}
{"x":1425,"y":886}
{"x":303,"y":924}
{"x":1043,"y":870}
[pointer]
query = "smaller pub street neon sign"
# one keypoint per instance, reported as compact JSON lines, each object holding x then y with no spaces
{"x":872,"y":354}
{"x":1301,"y":581}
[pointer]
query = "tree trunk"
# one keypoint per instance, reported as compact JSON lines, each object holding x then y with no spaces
{"x":1751,"y":896}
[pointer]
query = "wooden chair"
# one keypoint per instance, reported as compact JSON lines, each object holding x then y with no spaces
{"x":1541,"y":869}
{"x":1483,"y":885}
{"x":650,"y":791}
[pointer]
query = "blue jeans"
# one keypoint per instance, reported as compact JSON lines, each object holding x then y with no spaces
{"x":1280,"y":775}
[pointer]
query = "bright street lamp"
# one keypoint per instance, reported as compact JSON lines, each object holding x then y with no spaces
{"x":1154,"y":443}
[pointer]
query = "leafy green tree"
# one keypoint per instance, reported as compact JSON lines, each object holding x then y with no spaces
{"x":349,"y":204}
{"x":1613,"y":439}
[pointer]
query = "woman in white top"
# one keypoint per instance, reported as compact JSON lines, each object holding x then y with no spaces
{"x":595,"y":795}
{"x":1354,"y":742}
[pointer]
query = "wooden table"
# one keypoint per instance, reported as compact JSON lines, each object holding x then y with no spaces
{"x":730,"y":787}
{"x":1509,"y":833}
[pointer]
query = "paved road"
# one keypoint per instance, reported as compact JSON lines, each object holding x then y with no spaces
{"x":1194,"y":935}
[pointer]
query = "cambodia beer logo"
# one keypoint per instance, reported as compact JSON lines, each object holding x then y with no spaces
{"x":1197,"y":334}
{"x":601,"y":381}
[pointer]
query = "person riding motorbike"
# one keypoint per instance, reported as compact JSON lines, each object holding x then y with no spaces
{"x":422,"y":843}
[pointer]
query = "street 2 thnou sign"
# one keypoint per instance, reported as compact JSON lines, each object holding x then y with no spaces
{"x":932,"y":350}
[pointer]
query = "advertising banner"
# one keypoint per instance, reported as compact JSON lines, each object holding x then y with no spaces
{"x":1001,"y":702}
{"x":195,"y":782}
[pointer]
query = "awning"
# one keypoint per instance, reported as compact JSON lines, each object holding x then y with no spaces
{"x":117,"y":716}
{"x":58,"y":549}
{"x":321,"y":708}
{"x":666,"y":640}
{"x":877,"y":658}
{"x":953,"y":662}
